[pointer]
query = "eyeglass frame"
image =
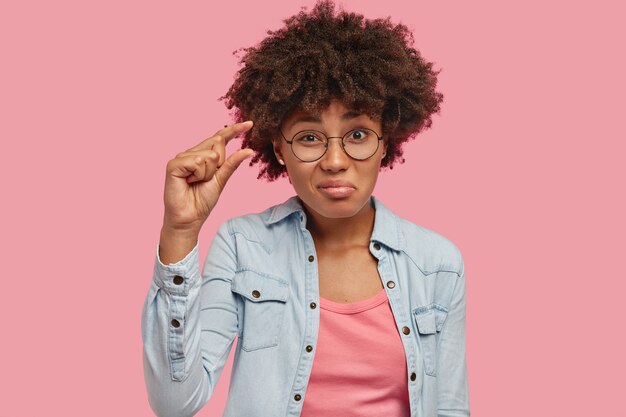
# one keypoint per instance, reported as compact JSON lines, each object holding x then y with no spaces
{"x":290,"y":142}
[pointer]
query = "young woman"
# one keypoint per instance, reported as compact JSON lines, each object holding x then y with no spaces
{"x":339,"y":306}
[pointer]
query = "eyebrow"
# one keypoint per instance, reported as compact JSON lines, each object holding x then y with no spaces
{"x":310,"y":118}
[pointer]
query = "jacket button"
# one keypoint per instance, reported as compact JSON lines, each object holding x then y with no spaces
{"x":413,"y":376}
{"x":309,"y":348}
{"x":297,"y":397}
{"x":175,"y":323}
{"x":178,"y":280}
{"x":311,"y":258}
{"x":313,"y":305}
{"x":406,"y":330}
{"x":256,"y":294}
{"x":391,"y":284}
{"x":376,"y":246}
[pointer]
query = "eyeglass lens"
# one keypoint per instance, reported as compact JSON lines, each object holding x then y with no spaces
{"x":310,"y":145}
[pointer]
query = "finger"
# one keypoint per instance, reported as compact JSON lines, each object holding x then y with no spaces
{"x":205,"y":153}
{"x":230,"y":165}
{"x":229,"y":132}
{"x":184,"y":167}
{"x":191,"y":167}
{"x":207,"y":170}
{"x":225,"y":134}
{"x":211,"y":162}
{"x":216,"y":154}
{"x":219,"y":146}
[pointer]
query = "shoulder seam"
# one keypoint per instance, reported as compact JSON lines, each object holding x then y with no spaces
{"x":458,"y":273}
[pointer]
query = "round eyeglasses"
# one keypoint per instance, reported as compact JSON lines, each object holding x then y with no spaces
{"x":311,"y":145}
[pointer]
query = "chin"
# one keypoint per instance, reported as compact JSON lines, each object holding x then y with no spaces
{"x":336,"y":208}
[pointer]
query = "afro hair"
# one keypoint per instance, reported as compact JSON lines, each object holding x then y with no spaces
{"x":369,"y":65}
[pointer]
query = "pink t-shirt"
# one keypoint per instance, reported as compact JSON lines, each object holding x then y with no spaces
{"x":359,"y":367}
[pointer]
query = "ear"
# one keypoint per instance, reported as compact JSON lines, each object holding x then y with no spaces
{"x":278,"y":152}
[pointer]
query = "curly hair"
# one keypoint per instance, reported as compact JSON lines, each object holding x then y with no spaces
{"x":369,"y":65}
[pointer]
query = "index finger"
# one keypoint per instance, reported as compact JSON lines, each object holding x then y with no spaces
{"x":227,"y":133}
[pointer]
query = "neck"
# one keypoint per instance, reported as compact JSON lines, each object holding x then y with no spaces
{"x":341,"y":232}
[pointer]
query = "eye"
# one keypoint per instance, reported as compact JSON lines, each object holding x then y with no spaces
{"x":308,"y":138}
{"x":358,"y":135}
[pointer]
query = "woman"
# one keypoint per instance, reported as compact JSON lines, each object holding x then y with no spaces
{"x":340,"y":307}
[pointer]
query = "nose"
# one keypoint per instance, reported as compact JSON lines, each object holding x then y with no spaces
{"x":335,"y":158}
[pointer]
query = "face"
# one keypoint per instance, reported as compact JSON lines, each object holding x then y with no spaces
{"x":334,"y":186}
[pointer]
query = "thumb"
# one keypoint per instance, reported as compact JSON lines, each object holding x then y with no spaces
{"x":231,"y":164}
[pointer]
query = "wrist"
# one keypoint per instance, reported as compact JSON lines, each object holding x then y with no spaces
{"x":175,"y":245}
{"x":187,"y":232}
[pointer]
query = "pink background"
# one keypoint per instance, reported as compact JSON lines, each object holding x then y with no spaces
{"x":523,"y":170}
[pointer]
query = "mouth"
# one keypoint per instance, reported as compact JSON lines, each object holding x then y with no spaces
{"x":337,"y":189}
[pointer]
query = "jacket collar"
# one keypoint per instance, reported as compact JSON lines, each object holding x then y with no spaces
{"x":386,"y":223}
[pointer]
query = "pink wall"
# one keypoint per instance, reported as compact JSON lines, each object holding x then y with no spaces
{"x":94,"y":99}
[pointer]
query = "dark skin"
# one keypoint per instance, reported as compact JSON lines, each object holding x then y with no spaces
{"x":341,"y":227}
{"x":348,"y":272}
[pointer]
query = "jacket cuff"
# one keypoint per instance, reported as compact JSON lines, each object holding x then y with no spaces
{"x":177,"y":278}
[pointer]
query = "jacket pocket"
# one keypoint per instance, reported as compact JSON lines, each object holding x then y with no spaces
{"x":265,"y":299}
{"x":429,"y":321}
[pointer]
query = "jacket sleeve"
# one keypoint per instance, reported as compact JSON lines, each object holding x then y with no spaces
{"x":453,"y":393}
{"x":189,"y":322}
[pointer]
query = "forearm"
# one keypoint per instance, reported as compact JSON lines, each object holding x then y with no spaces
{"x":175,"y":379}
{"x":174,"y":244}
{"x":189,"y":323}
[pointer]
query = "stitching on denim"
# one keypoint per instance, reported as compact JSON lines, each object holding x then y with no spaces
{"x":206,"y":281}
{"x":263,"y":274}
{"x":423,"y":271}
{"x":432,"y":306}
{"x":180,"y":361}
{"x":219,"y":304}
{"x":414,"y":263}
{"x":249,"y":349}
{"x":262,"y":244}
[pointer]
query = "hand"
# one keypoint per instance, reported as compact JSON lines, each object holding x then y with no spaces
{"x":196,"y":177}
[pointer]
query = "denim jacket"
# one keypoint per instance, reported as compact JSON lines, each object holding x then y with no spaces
{"x":259,"y":284}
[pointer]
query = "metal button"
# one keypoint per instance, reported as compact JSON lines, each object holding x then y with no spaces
{"x":175,"y":323}
{"x":256,"y":294}
{"x":406,"y":330}
{"x":311,"y":258}
{"x":391,"y":284}
{"x":309,"y":348}
{"x":376,"y":246}
{"x":313,"y":305}
{"x":297,"y":397}
{"x":413,"y":376}
{"x":178,"y":280}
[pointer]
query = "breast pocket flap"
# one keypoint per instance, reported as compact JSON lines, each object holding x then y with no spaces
{"x":258,"y":287}
{"x":426,"y":323}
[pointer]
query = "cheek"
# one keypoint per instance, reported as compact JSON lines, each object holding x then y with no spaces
{"x":371,"y":172}
{"x":299,"y":176}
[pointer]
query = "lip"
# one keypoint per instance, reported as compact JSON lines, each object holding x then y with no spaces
{"x":336,"y":188}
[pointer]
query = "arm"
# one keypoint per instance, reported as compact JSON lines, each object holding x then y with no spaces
{"x":452,"y":383}
{"x":183,"y":360}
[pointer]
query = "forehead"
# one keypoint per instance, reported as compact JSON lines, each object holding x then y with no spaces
{"x":335,"y":110}
{"x":302,"y":116}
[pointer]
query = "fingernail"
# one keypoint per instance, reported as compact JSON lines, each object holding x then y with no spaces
{"x":247,"y":122}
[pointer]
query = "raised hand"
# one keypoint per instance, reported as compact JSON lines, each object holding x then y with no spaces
{"x":194,"y":181}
